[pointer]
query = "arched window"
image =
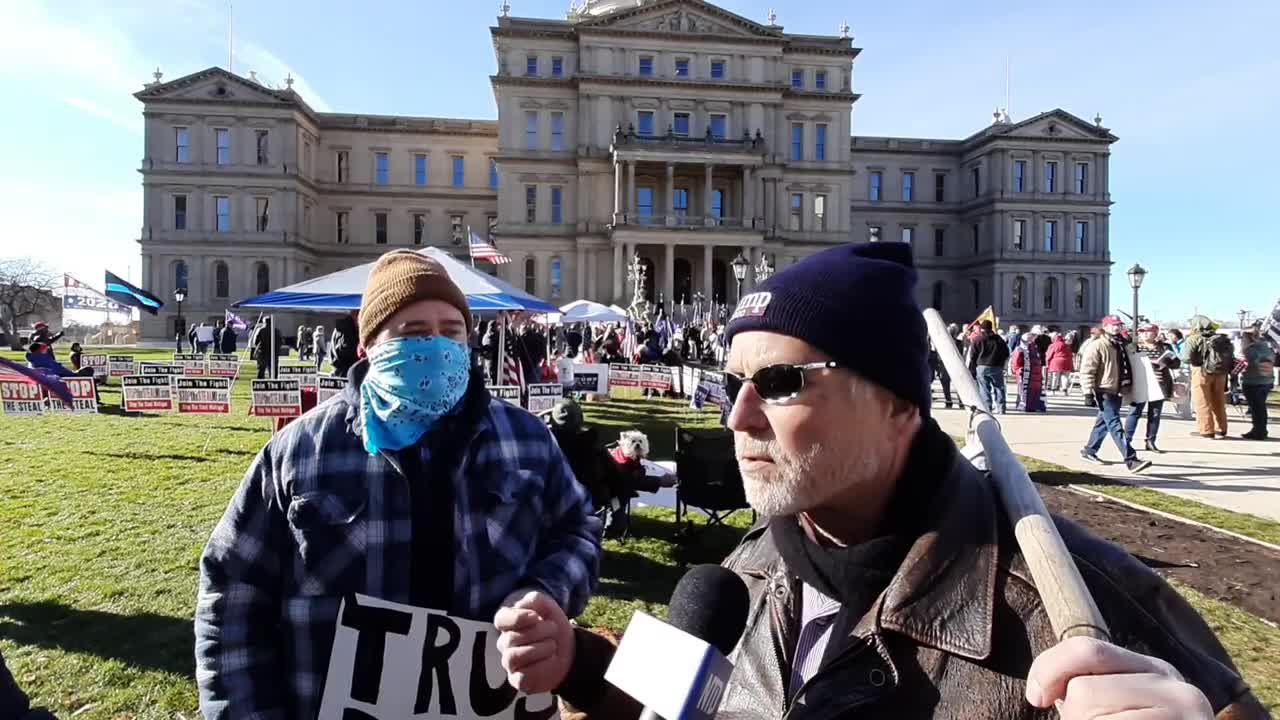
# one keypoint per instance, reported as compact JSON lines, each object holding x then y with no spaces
{"x":977,"y":294}
{"x":179,"y":274}
{"x":530,"y":276}
{"x":1082,"y":292}
{"x":263,"y":275}
{"x":1019,"y":291}
{"x":938,"y":290}
{"x":683,"y":281}
{"x":1050,"y":292}
{"x":221,"y":280}
{"x":555,"y":277}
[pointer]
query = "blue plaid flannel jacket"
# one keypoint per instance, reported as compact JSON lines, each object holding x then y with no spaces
{"x":317,"y":517}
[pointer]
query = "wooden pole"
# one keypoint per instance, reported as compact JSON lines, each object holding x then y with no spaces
{"x":1066,"y":598}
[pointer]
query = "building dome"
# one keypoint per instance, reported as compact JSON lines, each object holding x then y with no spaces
{"x":593,"y":8}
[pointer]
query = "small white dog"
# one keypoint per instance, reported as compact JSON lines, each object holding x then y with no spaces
{"x":634,"y":444}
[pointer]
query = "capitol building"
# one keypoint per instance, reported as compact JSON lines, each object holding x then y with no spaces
{"x":673,"y":130}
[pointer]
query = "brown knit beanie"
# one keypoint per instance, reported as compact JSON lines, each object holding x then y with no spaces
{"x":399,"y":278}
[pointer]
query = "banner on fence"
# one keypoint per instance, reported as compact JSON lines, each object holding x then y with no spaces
{"x":305,"y":374}
{"x":121,"y":365}
{"x":224,"y":365}
{"x":510,"y":393}
{"x":192,"y":363}
{"x":655,"y":377}
{"x":328,"y":386}
{"x":21,"y":396}
{"x":84,"y":396}
{"x":147,"y":392}
{"x":98,"y":363}
{"x":624,"y":376}
{"x":397,"y":661}
{"x":204,"y":396}
{"x":276,"y":398}
{"x":544,"y":396}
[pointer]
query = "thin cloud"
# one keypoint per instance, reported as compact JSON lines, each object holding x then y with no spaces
{"x":131,"y":123}
{"x":273,"y":70}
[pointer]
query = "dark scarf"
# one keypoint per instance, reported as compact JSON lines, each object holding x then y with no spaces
{"x":1126,"y":370}
{"x":856,"y":575}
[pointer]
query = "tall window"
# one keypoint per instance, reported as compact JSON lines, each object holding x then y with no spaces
{"x":380,"y":170}
{"x":492,"y":227}
{"x":819,"y":212}
{"x":179,"y":275}
{"x":680,"y":202}
{"x":1050,"y":292}
{"x":380,"y":228}
{"x":646,"y":65}
{"x":682,"y":67}
{"x":975,"y":181}
{"x":1082,"y":291}
{"x":908,"y":186}
{"x":1082,"y":237}
{"x":1050,"y":176}
{"x":260,"y":143}
{"x":260,"y":213}
{"x":1019,"y":175}
{"x":939,"y":187}
{"x":1019,"y":289}
{"x":493,"y":173}
{"x":940,"y":242}
{"x":344,"y":166}
{"x":455,"y":229}
{"x":820,"y":79}
{"x":531,"y":65}
{"x":820,"y":141}
{"x":557,"y":131}
{"x":222,"y":138}
{"x":420,"y":169}
{"x":221,"y":280}
{"x":976,"y":292}
{"x":717,"y":69}
{"x":797,"y":141}
{"x":977,"y":239}
{"x":556,"y":278}
{"x":873,"y":190}
{"x":556,"y":217}
{"x":306,"y":219}
{"x":530,"y":203}
{"x":181,"y":145}
{"x":797,"y":79}
{"x":179,"y":212}
{"x":530,"y":129}
{"x":459,"y":171}
{"x":263,"y":277}
{"x":530,"y":276}
{"x":1019,"y":234}
{"x":717,"y":204}
{"x":222,"y":214}
{"x":644,"y":202}
{"x":797,"y":208}
{"x":873,"y":233}
{"x":557,"y":66}
{"x":419,"y":228}
{"x":342,"y":237}
{"x":1050,"y":235}
{"x":1082,"y":178}
{"x":718,"y":126}
{"x":908,"y":234}
{"x":680,"y":123}
{"x":937,"y":296}
{"x":644,"y":119}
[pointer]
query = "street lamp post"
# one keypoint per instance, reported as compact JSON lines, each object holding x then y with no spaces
{"x":740,"y":265}
{"x":1136,"y":275}
{"x":180,"y":294}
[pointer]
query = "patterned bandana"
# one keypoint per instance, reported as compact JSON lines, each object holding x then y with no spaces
{"x":412,"y":382}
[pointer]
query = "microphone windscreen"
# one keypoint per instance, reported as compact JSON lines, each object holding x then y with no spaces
{"x":711,"y":603}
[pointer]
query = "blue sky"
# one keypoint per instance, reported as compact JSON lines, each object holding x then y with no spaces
{"x":1191,"y":88}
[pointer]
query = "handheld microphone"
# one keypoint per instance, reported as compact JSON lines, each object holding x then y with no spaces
{"x":678,"y":669}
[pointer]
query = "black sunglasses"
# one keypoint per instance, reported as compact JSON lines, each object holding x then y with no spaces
{"x":774,"y":383}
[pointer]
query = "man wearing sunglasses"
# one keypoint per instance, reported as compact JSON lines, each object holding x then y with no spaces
{"x":884,"y":579}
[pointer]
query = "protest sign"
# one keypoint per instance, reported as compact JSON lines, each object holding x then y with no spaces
{"x":147,"y":392}
{"x":328,"y":387}
{"x":97,"y":362}
{"x":397,"y":661}
{"x":20,"y":396}
{"x":84,"y":396}
{"x":544,"y":396}
{"x":203,"y":395}
{"x":655,"y":377}
{"x":624,"y":376}
{"x":1146,"y":381}
{"x":276,"y":398}
{"x":592,"y":378}
{"x":510,"y":393}
{"x":224,"y":365}
{"x":149,"y":367}
{"x":192,"y":363}
{"x":564,"y":371}
{"x":120,"y":365}
{"x":305,"y":374}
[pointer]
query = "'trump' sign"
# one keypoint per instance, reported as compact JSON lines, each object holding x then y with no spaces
{"x":396,"y":661}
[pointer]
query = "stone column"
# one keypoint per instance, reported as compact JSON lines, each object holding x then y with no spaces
{"x":748,"y":196}
{"x":706,"y":194}
{"x":580,"y":286}
{"x":617,"y":271}
{"x":618,"y":209}
{"x":631,"y":188}
{"x":707,"y":260}
{"x":669,"y":276}
{"x":671,"y":187}
{"x":593,"y":289}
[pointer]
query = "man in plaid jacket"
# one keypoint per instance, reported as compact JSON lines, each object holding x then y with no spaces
{"x":413,"y":485}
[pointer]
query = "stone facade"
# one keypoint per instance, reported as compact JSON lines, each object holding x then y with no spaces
{"x":669,"y":128}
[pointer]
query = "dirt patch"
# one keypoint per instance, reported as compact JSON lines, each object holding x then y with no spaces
{"x":1220,"y":566}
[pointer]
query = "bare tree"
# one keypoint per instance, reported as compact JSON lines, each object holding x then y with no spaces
{"x":25,"y":288}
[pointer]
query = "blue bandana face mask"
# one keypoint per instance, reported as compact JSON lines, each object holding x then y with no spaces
{"x":412,"y":382}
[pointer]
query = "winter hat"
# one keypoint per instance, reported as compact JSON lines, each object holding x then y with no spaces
{"x":399,"y":278}
{"x":820,"y":298}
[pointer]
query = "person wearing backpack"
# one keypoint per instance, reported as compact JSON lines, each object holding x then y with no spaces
{"x":1211,"y":357}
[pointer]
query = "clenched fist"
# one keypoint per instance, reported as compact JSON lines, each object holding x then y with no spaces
{"x":535,"y":640}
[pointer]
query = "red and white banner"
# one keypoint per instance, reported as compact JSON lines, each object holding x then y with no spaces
{"x":147,"y":392}
{"x":121,"y":365}
{"x":192,"y":363}
{"x":276,"y":398}
{"x":20,"y":396}
{"x":206,"y":396}
{"x":224,"y":365}
{"x":84,"y":397}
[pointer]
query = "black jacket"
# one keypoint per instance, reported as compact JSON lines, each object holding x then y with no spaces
{"x":991,"y":351}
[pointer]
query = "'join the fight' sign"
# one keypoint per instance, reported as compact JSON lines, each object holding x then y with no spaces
{"x":396,"y":661}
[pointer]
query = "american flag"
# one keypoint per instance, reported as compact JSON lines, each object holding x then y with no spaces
{"x":512,"y":368}
{"x":482,"y":249}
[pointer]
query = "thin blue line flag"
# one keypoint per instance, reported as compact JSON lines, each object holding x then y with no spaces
{"x":123,"y":292}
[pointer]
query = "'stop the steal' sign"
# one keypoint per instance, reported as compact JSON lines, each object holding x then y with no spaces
{"x":192,"y":363}
{"x":393,"y":661}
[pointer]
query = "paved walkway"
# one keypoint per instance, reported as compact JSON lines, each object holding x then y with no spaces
{"x":1235,"y":474}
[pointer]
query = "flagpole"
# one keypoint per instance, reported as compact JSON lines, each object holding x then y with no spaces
{"x":471,"y":250}
{"x":502,"y":350}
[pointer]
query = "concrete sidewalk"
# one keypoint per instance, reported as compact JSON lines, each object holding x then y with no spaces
{"x":1234,"y":474}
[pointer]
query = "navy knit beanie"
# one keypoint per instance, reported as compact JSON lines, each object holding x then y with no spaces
{"x":857,"y":304}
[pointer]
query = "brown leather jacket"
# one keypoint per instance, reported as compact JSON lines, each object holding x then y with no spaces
{"x":954,"y":633}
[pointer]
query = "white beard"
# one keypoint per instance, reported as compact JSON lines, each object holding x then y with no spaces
{"x":801,"y":482}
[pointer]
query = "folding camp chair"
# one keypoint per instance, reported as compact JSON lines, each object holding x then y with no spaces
{"x":708,"y":477}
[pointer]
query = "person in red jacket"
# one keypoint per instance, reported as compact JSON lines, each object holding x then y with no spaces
{"x":1059,"y":361}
